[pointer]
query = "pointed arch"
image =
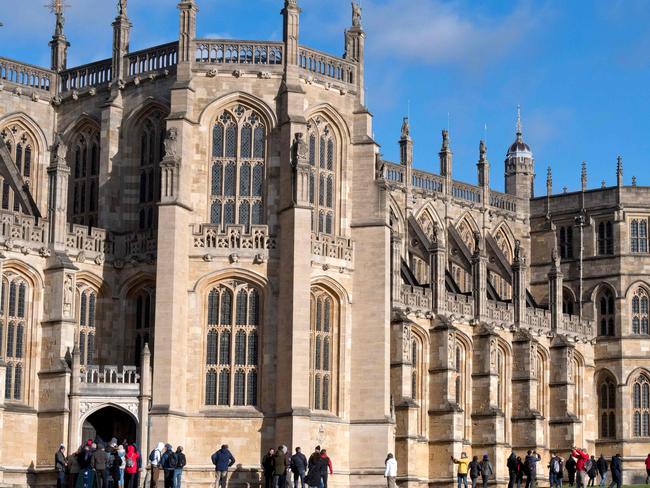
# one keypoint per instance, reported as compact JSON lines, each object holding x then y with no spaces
{"x":427,"y":217}
{"x":466,"y":225}
{"x":606,"y":393}
{"x":213,"y":109}
{"x":505,"y":240}
{"x":30,"y":124}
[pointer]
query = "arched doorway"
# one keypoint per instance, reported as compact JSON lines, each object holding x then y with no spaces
{"x":108,"y":422}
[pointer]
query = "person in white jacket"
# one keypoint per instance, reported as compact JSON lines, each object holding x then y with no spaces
{"x":391,"y":471}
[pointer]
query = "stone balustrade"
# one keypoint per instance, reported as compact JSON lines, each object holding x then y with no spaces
{"x":460,"y":305}
{"x":26,"y":75}
{"x":153,"y":59}
{"x":503,"y":201}
{"x":416,"y":298}
{"x":392,"y":172}
{"x":500,"y":312}
{"x":465,"y":192}
{"x":332,"y":247}
{"x":538,"y":319}
{"x":428,"y":181}
{"x":326,"y":67}
{"x":572,"y":325}
{"x":23,"y":232}
{"x":234,"y":237}
{"x":88,"y":242}
{"x":89,"y":75}
{"x":220,"y":52}
{"x":136,"y":244}
{"x":110,"y":375}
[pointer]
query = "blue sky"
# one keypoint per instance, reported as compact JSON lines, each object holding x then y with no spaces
{"x":579,"y":69}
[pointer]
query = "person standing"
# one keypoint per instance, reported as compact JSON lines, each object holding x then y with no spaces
{"x":121,"y":454}
{"x":463,"y":465}
{"x":298,"y":468}
{"x":60,"y":465}
{"x":222,"y":460}
{"x":530,"y":467}
{"x":280,"y":466}
{"x":155,"y":457}
{"x":591,"y":470}
{"x":117,"y":468}
{"x":581,"y":459}
{"x":511,"y":464}
{"x":555,"y":471}
{"x":98,"y":463}
{"x":486,"y":470}
{"x":474,"y":470}
{"x":131,"y":467}
{"x":181,"y":463}
{"x":647,"y":469}
{"x":602,"y":467}
{"x":616,"y":468}
{"x":169,"y":462}
{"x":391,"y":471}
{"x":520,"y":471}
{"x":326,"y":467}
{"x":571,"y":469}
{"x":267,"y":468}
{"x":73,"y":469}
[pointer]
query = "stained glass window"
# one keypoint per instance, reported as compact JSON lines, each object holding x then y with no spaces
{"x":13,"y":333}
{"x":323,"y":317}
{"x":322,"y":179}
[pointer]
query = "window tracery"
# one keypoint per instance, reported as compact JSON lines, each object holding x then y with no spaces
{"x":232,"y":344}
{"x":605,"y":313}
{"x":15,"y":304}
{"x":143,"y":317}
{"x":238,"y":167}
{"x":641,"y":406}
{"x":22,"y":147}
{"x":84,"y":175}
{"x":607,"y":409}
{"x":323,"y":176}
{"x":605,"y":238}
{"x":639,"y":235}
{"x":86,"y":324}
{"x":640,"y":312}
{"x":324,"y":327}
{"x":152,"y":137}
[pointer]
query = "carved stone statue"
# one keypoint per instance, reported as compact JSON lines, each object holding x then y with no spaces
{"x":356,"y":14}
{"x":555,"y":257}
{"x":300,"y":151}
{"x":121,"y":8}
{"x":171,"y":143}
{"x":58,"y":150}
{"x":477,"y":242}
{"x":406,"y":342}
{"x":68,"y":293}
{"x":482,"y":150}
{"x":445,"y":139}
{"x":406,"y":129}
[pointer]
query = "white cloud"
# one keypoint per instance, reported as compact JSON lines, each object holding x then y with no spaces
{"x":433,"y":31}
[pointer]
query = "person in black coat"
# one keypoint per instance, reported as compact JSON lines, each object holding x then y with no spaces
{"x":570,"y":466}
{"x":603,"y":468}
{"x":268,"y":467}
{"x":617,"y":471}
{"x":512,"y":469}
{"x":298,"y":468}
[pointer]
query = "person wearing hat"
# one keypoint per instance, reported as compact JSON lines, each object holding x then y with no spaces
{"x":486,"y":470}
{"x":60,"y":464}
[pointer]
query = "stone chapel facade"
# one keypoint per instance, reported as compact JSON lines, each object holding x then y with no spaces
{"x":200,"y":243}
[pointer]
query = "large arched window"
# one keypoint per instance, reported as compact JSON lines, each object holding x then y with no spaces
{"x":14,"y":309}
{"x":607,"y":408}
{"x":151,"y":152}
{"x":568,"y":302}
{"x":232,"y":344}
{"x":86,"y":326}
{"x":324,"y":326}
{"x":143,"y":304}
{"x":540,"y":373}
{"x":639,"y":235}
{"x":22,"y":147}
{"x":322,"y":179}
{"x":83,"y":158}
{"x":238,"y":167}
{"x":605,"y":313}
{"x":566,"y":242}
{"x":641,"y":406}
{"x":462,"y":372}
{"x":640,"y":312}
{"x":605,"y":238}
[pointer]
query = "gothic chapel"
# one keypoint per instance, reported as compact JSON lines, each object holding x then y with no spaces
{"x":200,"y":243}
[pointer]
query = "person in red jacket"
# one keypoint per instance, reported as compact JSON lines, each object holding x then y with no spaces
{"x":647,"y":469}
{"x":131,"y":467}
{"x":581,"y":459}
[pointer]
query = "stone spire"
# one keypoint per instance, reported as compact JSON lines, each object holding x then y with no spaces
{"x":355,"y":39}
{"x":445,"y":155}
{"x":619,"y":171}
{"x":291,"y":31}
{"x":549,"y":182}
{"x":121,"y":38}
{"x":583,"y":176}
{"x":483,"y":166}
{"x":186,"y":34}
{"x":59,"y":44}
{"x":406,"y":144}
{"x":520,"y":133}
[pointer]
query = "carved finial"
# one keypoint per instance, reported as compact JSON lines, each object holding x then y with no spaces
{"x":565,"y":189}
{"x":549,"y":181}
{"x":356,"y":14}
{"x":555,"y":255}
{"x":290,"y":3}
{"x":619,"y":171}
{"x":482,"y":151}
{"x":603,"y":184}
{"x":519,"y":132}
{"x":406,"y":128}
{"x":145,"y":350}
{"x":121,"y":8}
{"x":583,"y":176}
{"x":445,"y":139}
{"x":57,"y":7}
{"x":634,"y":181}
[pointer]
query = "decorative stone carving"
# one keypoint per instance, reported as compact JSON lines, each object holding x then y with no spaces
{"x":171,"y":143}
{"x":44,"y":252}
{"x":493,"y":353}
{"x":406,"y":342}
{"x":234,"y":258}
{"x":58,"y":150}
{"x":75,"y":95}
{"x":81,"y":257}
{"x":569,"y":365}
{"x":68,"y":294}
{"x":211,"y":73}
{"x":237,"y":73}
{"x":265,"y":75}
{"x":99,"y":260}
{"x":92,"y":92}
{"x":35,"y":97}
{"x":136,"y":80}
{"x":356,"y":14}
{"x":300,"y":149}
{"x":56,"y":100}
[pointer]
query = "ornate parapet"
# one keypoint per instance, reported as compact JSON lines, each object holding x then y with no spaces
{"x":415,"y":299}
{"x":460,"y":305}
{"x":235,"y":241}
{"x":38,"y":81}
{"x":23,"y":233}
{"x":538,"y":320}
{"x":500,"y":313}
{"x":154,"y":60}
{"x":574,"y":327}
{"x":327,"y":69}
{"x":85,"y":243}
{"x":109,"y":380}
{"x":332,"y":252}
{"x":92,"y":75}
{"x":137,"y":246}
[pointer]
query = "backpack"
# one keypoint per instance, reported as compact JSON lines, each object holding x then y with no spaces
{"x":152,"y":455}
{"x":172,"y":460}
{"x":129,"y":462}
{"x":589,"y":464}
{"x":556,"y":466}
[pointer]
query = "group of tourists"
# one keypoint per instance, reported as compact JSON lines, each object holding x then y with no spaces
{"x":581,"y":469}
{"x":278,"y":465}
{"x":95,"y":465}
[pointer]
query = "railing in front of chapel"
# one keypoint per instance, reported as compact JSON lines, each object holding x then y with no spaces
{"x":153,"y":59}
{"x":26,"y":75}
{"x":326,"y":66}
{"x":88,"y":75}
{"x":231,"y":52}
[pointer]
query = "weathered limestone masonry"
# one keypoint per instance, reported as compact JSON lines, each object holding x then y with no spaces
{"x":200,"y":243}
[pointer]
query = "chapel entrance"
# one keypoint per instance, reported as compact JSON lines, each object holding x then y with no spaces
{"x":108,"y":422}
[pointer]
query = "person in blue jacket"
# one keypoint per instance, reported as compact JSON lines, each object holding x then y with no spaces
{"x":222,"y":460}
